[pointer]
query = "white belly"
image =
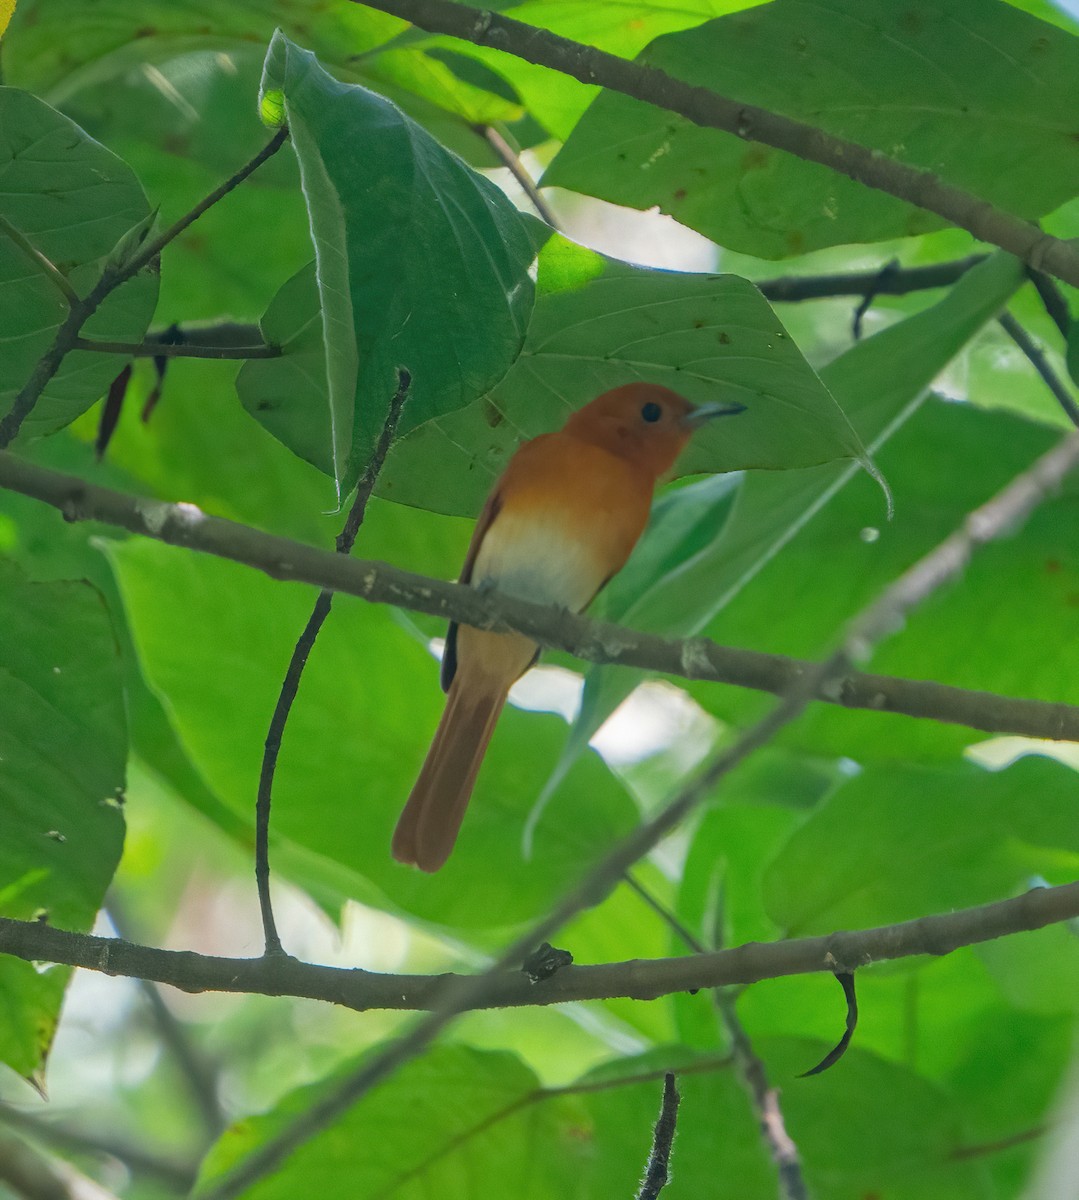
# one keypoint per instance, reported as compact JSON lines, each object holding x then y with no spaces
{"x":538,"y":559}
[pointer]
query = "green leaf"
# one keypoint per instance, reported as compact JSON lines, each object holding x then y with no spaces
{"x":897,"y":842}
{"x":599,"y":323}
{"x":975,"y":634}
{"x":937,"y":84}
{"x":438,"y":1125}
{"x":901,"y":1143}
{"x":75,"y":201}
{"x":420,"y":262}
{"x":63,"y":746}
{"x":879,"y":382}
{"x":367,"y":706}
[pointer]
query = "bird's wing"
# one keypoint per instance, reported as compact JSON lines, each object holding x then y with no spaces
{"x":490,"y":510}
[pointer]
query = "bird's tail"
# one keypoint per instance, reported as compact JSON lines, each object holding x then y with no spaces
{"x":428,"y":826}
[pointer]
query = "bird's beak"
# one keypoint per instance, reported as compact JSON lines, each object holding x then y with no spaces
{"x":706,"y":412}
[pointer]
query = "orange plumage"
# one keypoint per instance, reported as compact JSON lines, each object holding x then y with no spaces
{"x":560,"y":521}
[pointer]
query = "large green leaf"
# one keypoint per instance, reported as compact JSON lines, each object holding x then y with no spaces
{"x":441,"y":1123}
{"x":420,"y":263}
{"x":967,"y":89}
{"x":896,"y":842}
{"x":599,"y":323}
{"x":879,"y":381}
{"x":366,"y":709}
{"x":976,"y":634}
{"x":74,"y":200}
{"x":63,"y":746}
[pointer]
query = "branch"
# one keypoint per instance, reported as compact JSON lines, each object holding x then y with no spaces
{"x":80,"y":311}
{"x":900,"y":281}
{"x":656,"y":1174}
{"x":638,"y":979}
{"x":1036,"y":357}
{"x":302,"y":649}
{"x":595,"y":641}
{"x":747,"y":121}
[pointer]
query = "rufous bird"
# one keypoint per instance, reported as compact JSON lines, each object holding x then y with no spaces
{"x":560,"y":521}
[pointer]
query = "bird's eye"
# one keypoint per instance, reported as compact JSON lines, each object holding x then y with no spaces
{"x":651,"y":412}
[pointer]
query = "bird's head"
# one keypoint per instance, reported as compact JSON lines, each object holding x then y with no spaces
{"x":645,"y":423}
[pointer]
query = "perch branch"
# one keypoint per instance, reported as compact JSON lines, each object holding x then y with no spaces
{"x":595,"y":641}
{"x":747,"y":121}
{"x":637,"y":979}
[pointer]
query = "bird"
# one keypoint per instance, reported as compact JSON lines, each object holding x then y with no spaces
{"x":559,"y":522}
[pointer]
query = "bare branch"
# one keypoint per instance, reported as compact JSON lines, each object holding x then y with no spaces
{"x":594,"y":641}
{"x":302,"y":649}
{"x":747,"y":121}
{"x":902,"y":281}
{"x":638,"y":979}
{"x":1036,"y":357}
{"x":512,"y":162}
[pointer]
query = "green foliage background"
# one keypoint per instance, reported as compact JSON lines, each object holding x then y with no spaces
{"x":137,"y":681}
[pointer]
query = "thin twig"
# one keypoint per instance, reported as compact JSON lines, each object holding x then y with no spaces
{"x":183,"y":350}
{"x":594,"y":641}
{"x":516,"y":168}
{"x":304,"y":645}
{"x":747,"y":121}
{"x":56,"y":277}
{"x":1036,"y":357}
{"x":67,"y":335}
{"x":787,"y":289}
{"x":639,"y":979}
{"x":656,"y":1174}
{"x":1052,"y":300}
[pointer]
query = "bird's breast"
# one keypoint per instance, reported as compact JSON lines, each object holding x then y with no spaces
{"x":568,"y":519}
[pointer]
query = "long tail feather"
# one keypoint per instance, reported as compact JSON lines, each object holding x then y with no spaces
{"x":431,"y":819}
